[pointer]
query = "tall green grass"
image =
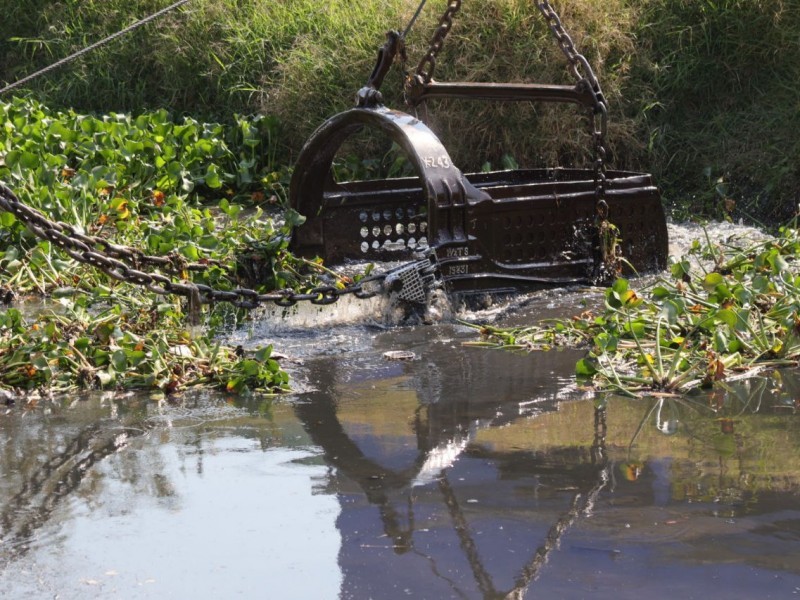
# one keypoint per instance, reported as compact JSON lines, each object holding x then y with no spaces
{"x":725,"y":107}
{"x":702,"y":92}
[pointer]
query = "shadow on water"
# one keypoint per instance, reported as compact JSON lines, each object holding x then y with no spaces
{"x":464,"y":473}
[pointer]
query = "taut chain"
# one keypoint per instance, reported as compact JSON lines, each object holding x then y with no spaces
{"x":582,"y":71}
{"x":124,"y":264}
{"x":428,"y":62}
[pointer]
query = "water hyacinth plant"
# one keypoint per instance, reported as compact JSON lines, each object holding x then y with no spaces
{"x":124,"y":346}
{"x":726,"y":310}
{"x":150,"y":182}
{"x":161,"y":186}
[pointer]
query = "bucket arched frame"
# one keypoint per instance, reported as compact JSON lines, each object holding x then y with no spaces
{"x":436,"y":199}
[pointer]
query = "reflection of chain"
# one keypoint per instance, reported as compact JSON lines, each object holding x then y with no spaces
{"x":428,"y":62}
{"x":40,"y":494}
{"x":582,"y":504}
{"x":123,"y":264}
{"x":600,"y":429}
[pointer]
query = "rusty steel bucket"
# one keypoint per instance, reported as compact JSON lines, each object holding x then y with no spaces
{"x":503,"y":231}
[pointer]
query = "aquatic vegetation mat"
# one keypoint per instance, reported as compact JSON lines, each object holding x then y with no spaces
{"x":148,"y":184}
{"x":124,"y":346}
{"x":726,"y":310}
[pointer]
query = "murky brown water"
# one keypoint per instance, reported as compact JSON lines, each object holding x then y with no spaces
{"x":464,"y":473}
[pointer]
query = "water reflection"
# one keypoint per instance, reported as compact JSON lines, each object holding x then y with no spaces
{"x":402,"y":439}
{"x":462,"y":474}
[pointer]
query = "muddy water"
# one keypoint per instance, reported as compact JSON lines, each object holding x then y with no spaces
{"x":463,"y":473}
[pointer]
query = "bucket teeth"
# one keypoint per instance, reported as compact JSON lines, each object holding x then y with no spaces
{"x":412,"y":282}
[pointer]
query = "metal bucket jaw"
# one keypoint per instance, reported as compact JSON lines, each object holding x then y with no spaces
{"x":501,"y":231}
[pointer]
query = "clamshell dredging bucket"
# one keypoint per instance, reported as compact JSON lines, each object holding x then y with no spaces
{"x":497,"y":232}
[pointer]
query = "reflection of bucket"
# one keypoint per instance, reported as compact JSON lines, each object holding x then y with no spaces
{"x":423,"y":479}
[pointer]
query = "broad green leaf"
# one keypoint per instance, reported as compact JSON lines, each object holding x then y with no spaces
{"x":586,"y":367}
{"x":711,"y":281}
{"x":119,"y":360}
{"x":212,"y":178}
{"x":727,"y":316}
{"x":620,"y":286}
{"x":660,"y":292}
{"x":720,"y":341}
{"x":7,"y":219}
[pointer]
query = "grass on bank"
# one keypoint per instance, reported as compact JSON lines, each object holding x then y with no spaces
{"x":701,"y":92}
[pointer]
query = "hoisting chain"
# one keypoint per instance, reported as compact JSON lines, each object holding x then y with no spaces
{"x":65,"y":234}
{"x":579,"y":67}
{"x":582,"y":71}
{"x":607,"y":259}
{"x":428,"y":62}
{"x":123,"y":264}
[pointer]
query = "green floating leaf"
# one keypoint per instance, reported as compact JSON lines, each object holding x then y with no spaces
{"x":264,"y":353}
{"x":7,"y":220}
{"x":636,"y":328}
{"x":681,"y":269}
{"x":586,"y":367}
{"x":660,"y":292}
{"x":620,"y":286}
{"x":119,"y":360}
{"x":670,"y":311}
{"x":606,"y":342}
{"x":727,"y":316}
{"x":720,"y":341}
{"x":106,"y":378}
{"x":711,"y":281}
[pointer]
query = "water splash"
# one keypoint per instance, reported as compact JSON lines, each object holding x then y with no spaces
{"x":349,"y":324}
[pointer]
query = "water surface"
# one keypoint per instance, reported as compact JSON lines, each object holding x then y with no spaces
{"x":463,"y":473}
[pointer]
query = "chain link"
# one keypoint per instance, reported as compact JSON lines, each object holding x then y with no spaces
{"x":598,"y":118}
{"x":579,"y":66}
{"x":65,"y":235}
{"x":124,"y":264}
{"x":428,"y":62}
{"x":606,"y":262}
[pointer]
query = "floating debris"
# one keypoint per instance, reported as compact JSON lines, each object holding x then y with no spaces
{"x":399,"y":355}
